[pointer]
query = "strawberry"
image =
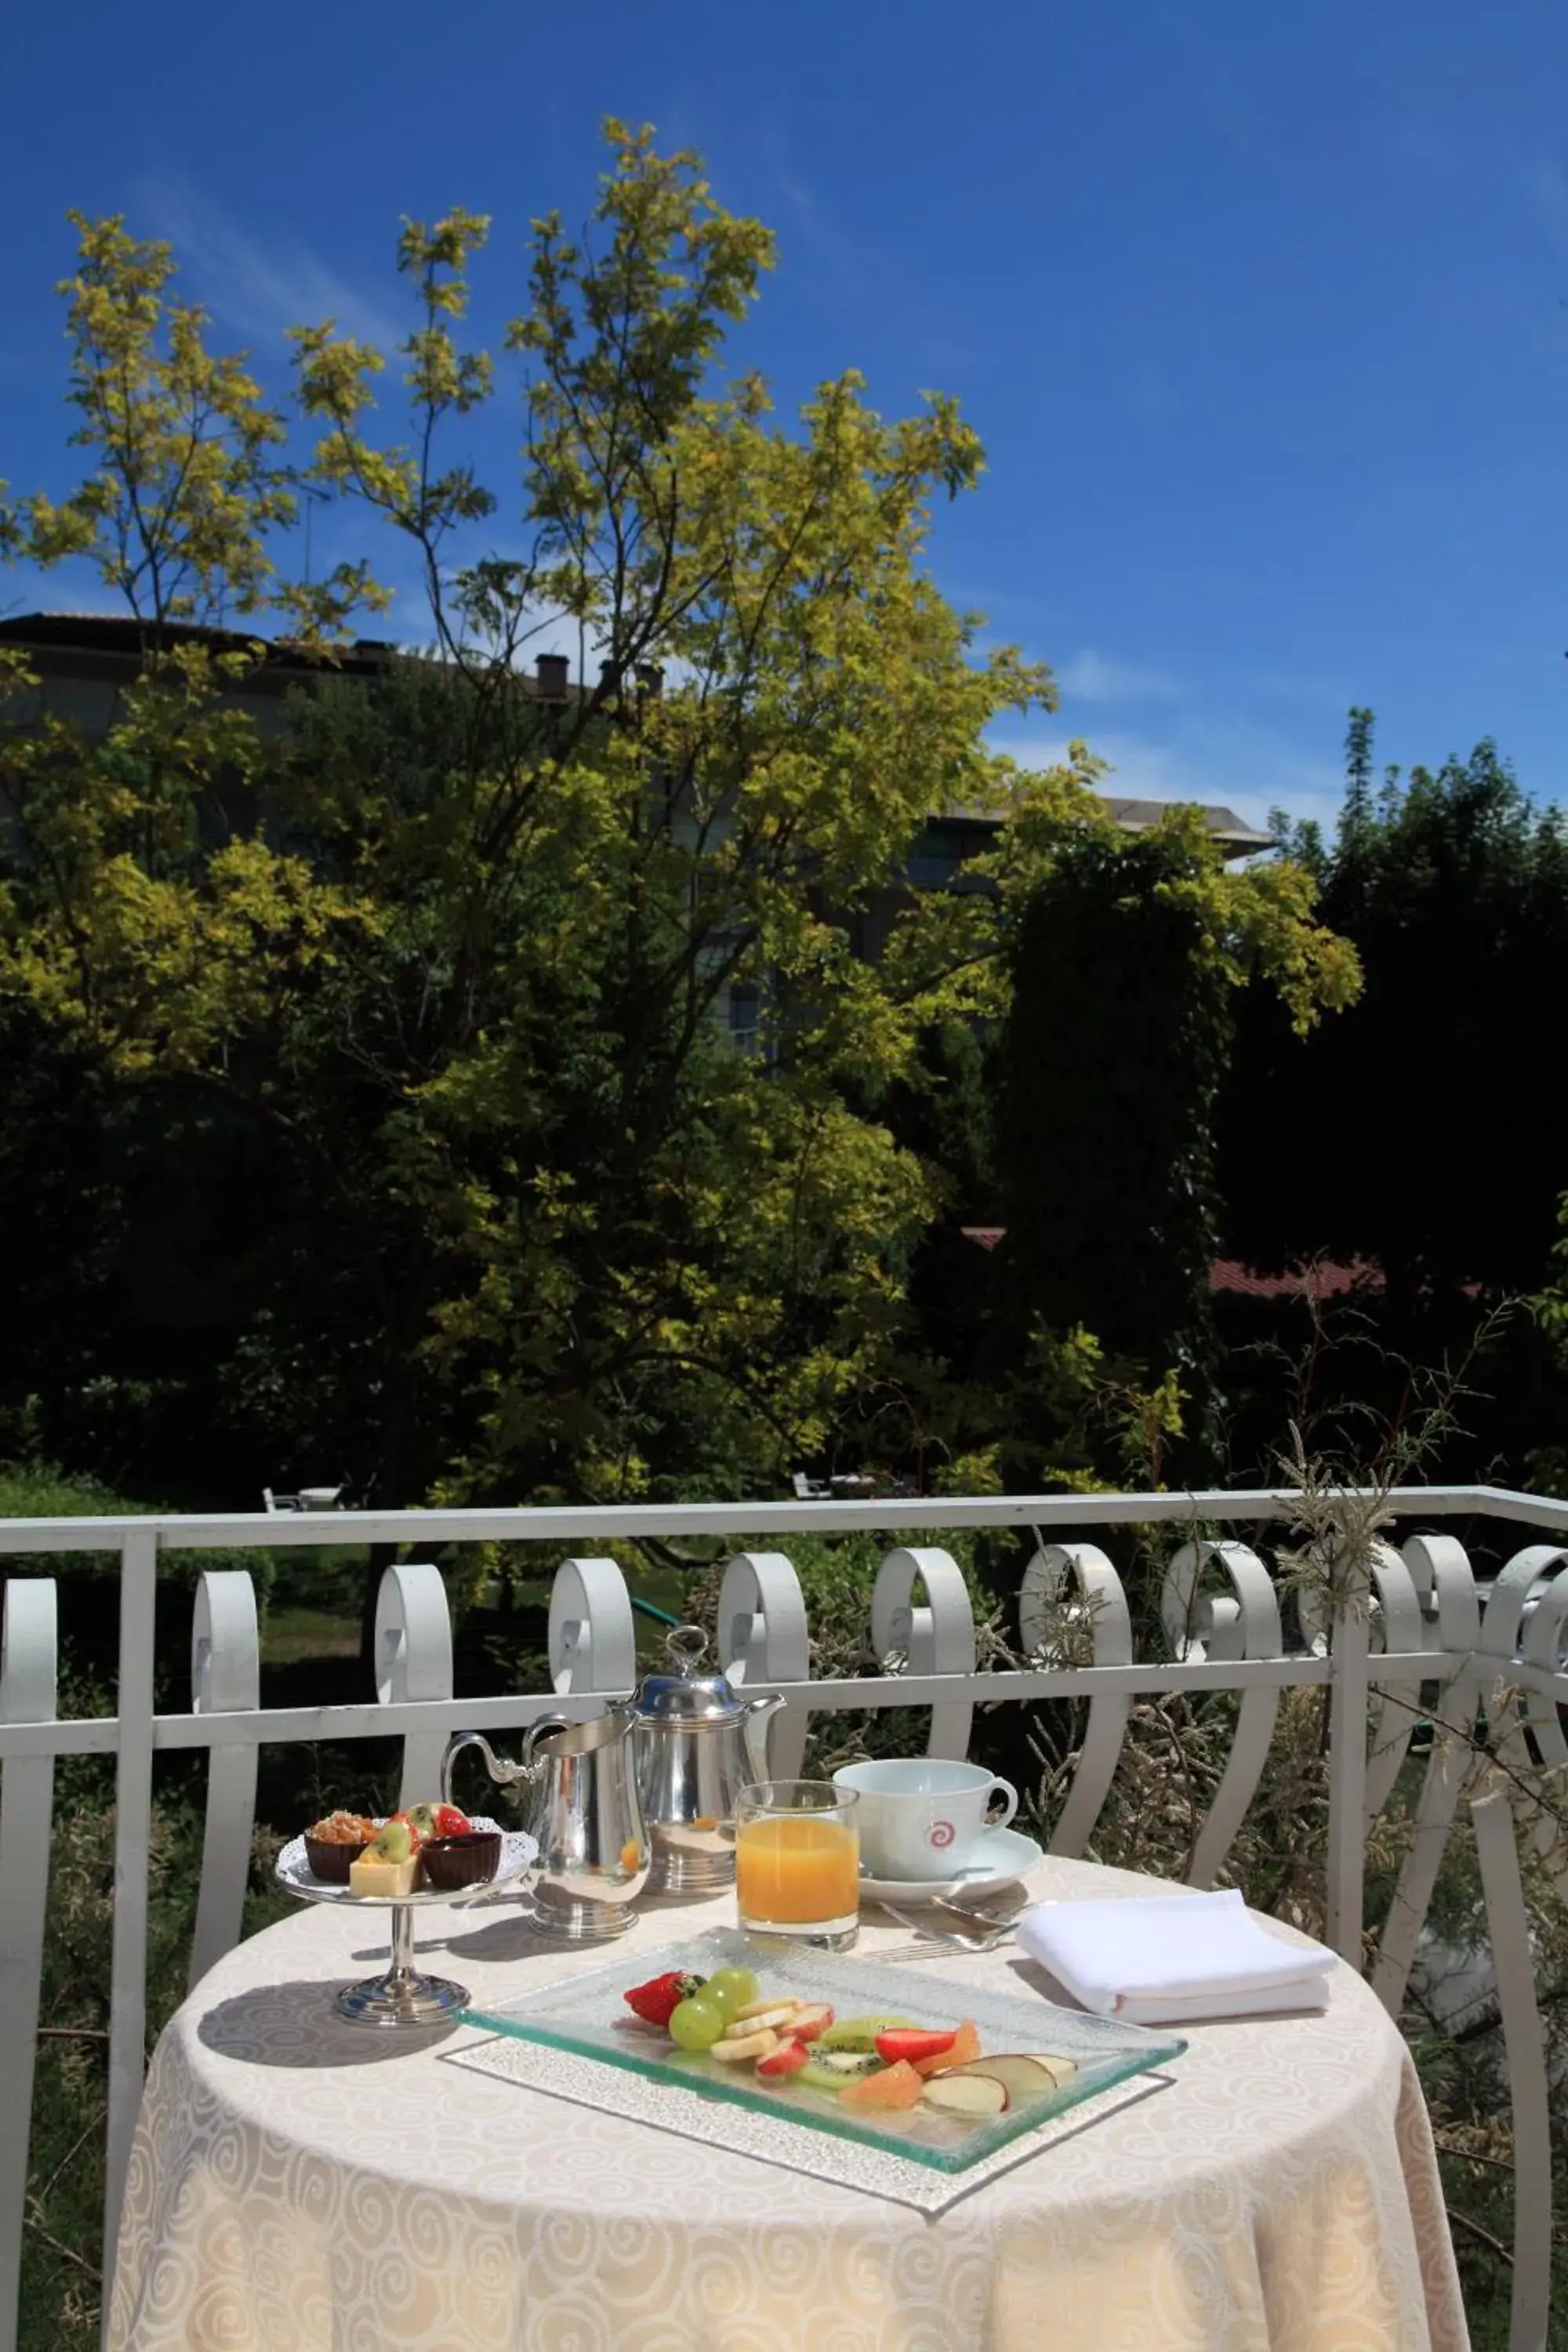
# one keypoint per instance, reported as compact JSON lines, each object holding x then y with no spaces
{"x":450,"y":1823}
{"x":912,"y":2045}
{"x":656,"y":2001}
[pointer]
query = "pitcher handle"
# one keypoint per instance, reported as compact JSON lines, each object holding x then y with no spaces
{"x":760,"y":1712}
{"x":503,"y":1774}
{"x":540,"y":1729}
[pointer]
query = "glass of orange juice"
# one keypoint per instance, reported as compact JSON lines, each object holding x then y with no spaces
{"x":797,"y":1862}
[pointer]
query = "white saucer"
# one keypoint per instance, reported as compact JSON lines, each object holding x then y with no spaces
{"x":1001,"y":1856}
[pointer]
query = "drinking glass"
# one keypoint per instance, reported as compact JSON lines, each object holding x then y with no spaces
{"x":797,"y":1862}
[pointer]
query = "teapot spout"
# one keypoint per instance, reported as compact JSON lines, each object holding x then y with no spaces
{"x":758,"y":1713}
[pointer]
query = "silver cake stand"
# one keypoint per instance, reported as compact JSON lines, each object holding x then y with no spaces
{"x":404,"y":1996}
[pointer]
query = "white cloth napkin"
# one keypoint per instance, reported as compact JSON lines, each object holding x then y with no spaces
{"x":1163,"y":1959}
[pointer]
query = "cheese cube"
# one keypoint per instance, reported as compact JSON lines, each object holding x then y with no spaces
{"x":392,"y":1882}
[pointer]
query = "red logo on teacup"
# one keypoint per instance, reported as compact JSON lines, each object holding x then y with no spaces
{"x":941,"y":1834}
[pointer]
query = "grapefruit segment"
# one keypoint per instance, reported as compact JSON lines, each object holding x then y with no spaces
{"x":894,"y":2087}
{"x":966,"y":2049}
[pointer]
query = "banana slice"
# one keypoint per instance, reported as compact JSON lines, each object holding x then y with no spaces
{"x":771,"y":2018}
{"x":757,"y":2044}
{"x":757,"y":2010}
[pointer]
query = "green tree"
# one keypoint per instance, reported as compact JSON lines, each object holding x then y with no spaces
{"x":460,"y":954}
{"x":1127,"y":959}
{"x":537,"y":1223}
{"x":1415,"y":1132}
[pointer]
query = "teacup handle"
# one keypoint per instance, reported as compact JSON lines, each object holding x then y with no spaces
{"x":1009,"y":1796}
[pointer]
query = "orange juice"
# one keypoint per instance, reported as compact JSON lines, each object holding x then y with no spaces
{"x":793,"y":1869}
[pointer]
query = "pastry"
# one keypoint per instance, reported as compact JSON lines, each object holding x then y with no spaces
{"x":467,"y":1858}
{"x":333,"y":1845}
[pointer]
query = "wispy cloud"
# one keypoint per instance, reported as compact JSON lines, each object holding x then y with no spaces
{"x":1229,"y":762}
{"x":1287,"y":685}
{"x":1090,"y":677}
{"x":256,"y":283}
{"x":857,"y":273}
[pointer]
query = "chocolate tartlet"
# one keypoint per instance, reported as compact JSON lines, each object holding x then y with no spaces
{"x":453,"y":1863}
{"x":334,"y":1845}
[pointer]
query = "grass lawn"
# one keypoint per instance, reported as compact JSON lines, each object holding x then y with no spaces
{"x":294,"y":1633}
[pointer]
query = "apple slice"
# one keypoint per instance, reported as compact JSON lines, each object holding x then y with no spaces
{"x":974,"y":2096}
{"x":805,"y":2024}
{"x":787,"y":2059}
{"x":1021,"y":2077}
{"x":1060,"y":2070}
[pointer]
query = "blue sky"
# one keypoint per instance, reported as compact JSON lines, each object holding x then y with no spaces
{"x":1262,"y":313}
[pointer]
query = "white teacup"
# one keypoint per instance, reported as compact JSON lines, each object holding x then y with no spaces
{"x":922,"y":1818}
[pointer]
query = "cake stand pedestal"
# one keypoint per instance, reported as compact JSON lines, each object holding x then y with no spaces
{"x":404,"y":1996}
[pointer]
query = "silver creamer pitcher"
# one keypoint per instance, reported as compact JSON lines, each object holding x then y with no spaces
{"x":582,"y":1808}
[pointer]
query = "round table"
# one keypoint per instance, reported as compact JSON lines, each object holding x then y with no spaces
{"x":305,"y":2185}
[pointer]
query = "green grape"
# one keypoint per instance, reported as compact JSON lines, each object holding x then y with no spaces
{"x":730,"y":1988}
{"x":697,"y":2023}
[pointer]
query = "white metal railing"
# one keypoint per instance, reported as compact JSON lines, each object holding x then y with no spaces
{"x":1419,"y":1623}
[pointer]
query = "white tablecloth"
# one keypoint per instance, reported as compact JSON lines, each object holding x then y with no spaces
{"x":304,"y":2184}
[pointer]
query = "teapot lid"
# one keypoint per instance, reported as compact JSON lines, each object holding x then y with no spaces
{"x":685,"y":1696}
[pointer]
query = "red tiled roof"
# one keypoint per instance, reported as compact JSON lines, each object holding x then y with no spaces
{"x":1318,"y":1280}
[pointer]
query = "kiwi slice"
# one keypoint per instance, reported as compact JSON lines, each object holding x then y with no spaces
{"x":837,"y":2069}
{"x":860,"y":2032}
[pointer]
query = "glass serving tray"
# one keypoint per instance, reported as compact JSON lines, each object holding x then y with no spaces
{"x":586,"y":2015}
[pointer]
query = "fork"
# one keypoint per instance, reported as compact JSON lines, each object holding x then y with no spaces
{"x":1002,"y":1910}
{"x":922,"y":1927}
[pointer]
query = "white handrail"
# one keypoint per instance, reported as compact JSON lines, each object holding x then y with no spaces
{"x":1228,"y":1636}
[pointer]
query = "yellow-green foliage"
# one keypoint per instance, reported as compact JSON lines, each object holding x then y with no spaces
{"x":466,"y":965}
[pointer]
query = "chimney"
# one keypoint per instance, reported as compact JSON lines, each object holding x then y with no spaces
{"x":650,"y":679}
{"x":551,"y":670}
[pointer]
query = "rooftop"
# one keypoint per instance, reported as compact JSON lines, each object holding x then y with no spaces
{"x":117,"y":638}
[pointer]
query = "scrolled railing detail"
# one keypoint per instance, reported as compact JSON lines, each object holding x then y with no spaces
{"x":932,"y":1637}
{"x":592,"y":1638}
{"x":1397,"y":1620}
{"x":226,"y":1679}
{"x":765,"y":1637}
{"x":1523,"y":1624}
{"x":414,"y":1661}
{"x":1243,"y":1622}
{"x":1444,"y":1584}
{"x":1049,"y":1626}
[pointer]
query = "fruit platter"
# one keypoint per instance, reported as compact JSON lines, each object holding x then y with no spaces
{"x":940,"y":2071}
{"x":426,"y":1854}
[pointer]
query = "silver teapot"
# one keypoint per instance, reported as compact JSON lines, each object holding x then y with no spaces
{"x":582,"y":1808}
{"x":696,"y":1745}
